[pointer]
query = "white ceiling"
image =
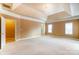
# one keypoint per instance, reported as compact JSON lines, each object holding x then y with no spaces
{"x":46,"y":8}
{"x":43,"y":11}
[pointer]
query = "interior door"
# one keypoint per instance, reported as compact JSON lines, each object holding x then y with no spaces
{"x":10,"y":30}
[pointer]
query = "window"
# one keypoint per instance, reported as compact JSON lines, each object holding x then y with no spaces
{"x":69,"y":28}
{"x":49,"y":28}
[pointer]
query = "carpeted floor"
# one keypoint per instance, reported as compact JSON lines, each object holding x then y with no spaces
{"x":45,"y":45}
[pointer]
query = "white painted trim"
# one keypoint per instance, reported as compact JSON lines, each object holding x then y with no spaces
{"x":28,"y":38}
{"x":67,"y":18}
{"x":3,"y":43}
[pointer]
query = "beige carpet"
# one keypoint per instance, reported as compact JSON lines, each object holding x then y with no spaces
{"x":45,"y":45}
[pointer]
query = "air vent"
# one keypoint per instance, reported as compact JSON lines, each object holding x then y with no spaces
{"x":7,"y":5}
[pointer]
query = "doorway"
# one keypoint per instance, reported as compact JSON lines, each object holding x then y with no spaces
{"x":10,"y":30}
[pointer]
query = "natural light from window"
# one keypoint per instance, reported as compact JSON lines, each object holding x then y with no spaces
{"x":49,"y":28}
{"x":69,"y":28}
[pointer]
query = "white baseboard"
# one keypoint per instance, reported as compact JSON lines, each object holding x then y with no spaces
{"x":28,"y":38}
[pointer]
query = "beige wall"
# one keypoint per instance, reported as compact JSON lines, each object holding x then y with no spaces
{"x":76,"y":28}
{"x":27,"y":29}
{"x":59,"y":28}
